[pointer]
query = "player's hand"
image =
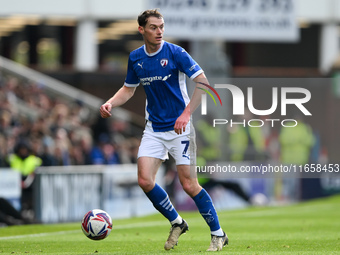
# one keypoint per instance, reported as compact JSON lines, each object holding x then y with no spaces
{"x":105,"y":110}
{"x":181,"y":123}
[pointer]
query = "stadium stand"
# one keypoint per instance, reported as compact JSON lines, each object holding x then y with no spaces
{"x":60,"y":122}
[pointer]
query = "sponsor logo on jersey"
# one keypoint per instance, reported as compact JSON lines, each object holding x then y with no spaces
{"x":148,"y":80}
{"x":166,"y":77}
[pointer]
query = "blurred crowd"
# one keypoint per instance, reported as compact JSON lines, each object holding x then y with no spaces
{"x":58,"y":131}
{"x":39,"y":128}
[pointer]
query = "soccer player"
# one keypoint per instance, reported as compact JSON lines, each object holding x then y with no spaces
{"x":161,"y":68}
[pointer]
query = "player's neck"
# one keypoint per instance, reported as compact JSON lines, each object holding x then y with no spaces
{"x":152,"y":48}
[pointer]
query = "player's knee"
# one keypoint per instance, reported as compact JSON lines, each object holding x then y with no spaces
{"x":191,"y":188}
{"x":145,"y":184}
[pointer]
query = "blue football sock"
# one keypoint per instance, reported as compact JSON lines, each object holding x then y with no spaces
{"x":162,"y":203}
{"x":207,"y":210}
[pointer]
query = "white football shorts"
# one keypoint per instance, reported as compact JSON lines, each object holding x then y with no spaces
{"x":158,"y":144}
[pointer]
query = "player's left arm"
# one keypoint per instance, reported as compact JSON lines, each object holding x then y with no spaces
{"x":195,"y":101}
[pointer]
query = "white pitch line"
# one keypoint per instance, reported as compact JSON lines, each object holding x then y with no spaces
{"x":140,"y":225}
{"x":38,"y":235}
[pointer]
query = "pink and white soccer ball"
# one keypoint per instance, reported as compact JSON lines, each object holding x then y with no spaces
{"x":96,"y":224}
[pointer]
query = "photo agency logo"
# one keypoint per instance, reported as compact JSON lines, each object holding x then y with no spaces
{"x":302,"y":96}
{"x":204,"y":96}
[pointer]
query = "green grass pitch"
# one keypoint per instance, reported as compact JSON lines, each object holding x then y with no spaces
{"x":307,"y":228}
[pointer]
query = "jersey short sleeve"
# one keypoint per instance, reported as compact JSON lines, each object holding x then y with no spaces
{"x":187,"y":64}
{"x":131,"y":79}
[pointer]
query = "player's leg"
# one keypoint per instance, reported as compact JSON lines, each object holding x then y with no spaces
{"x":183,"y":149}
{"x":151,"y":153}
{"x":205,"y":206}
{"x":147,"y":169}
{"x":201,"y":197}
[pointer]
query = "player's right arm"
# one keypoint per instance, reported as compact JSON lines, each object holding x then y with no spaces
{"x":120,"y":98}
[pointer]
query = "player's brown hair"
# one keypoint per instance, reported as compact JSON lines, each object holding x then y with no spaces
{"x":143,"y":17}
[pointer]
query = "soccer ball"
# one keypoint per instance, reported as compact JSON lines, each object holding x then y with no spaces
{"x":96,"y":224}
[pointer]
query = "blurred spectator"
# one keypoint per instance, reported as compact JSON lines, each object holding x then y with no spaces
{"x":62,"y":147}
{"x":316,"y":150}
{"x":10,"y":90}
{"x":119,"y":130}
{"x":209,"y":150}
{"x":47,"y":156}
{"x":208,"y":142}
{"x":59,"y":118}
{"x":271,"y":137}
{"x":99,"y":127}
{"x":128,"y":150}
{"x":79,"y":111}
{"x":81,"y":146}
{"x":76,"y":155}
{"x":5,"y":122}
{"x":25,"y":162}
{"x":104,"y":152}
{"x":3,"y":151}
{"x":246,"y":142}
{"x":296,"y":142}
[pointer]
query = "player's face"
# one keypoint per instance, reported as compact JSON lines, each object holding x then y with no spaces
{"x":153,"y":31}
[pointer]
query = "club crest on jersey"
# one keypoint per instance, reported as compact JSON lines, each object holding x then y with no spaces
{"x":164,"y":62}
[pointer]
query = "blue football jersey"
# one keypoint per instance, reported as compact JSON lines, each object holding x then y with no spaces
{"x":163,"y":76}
